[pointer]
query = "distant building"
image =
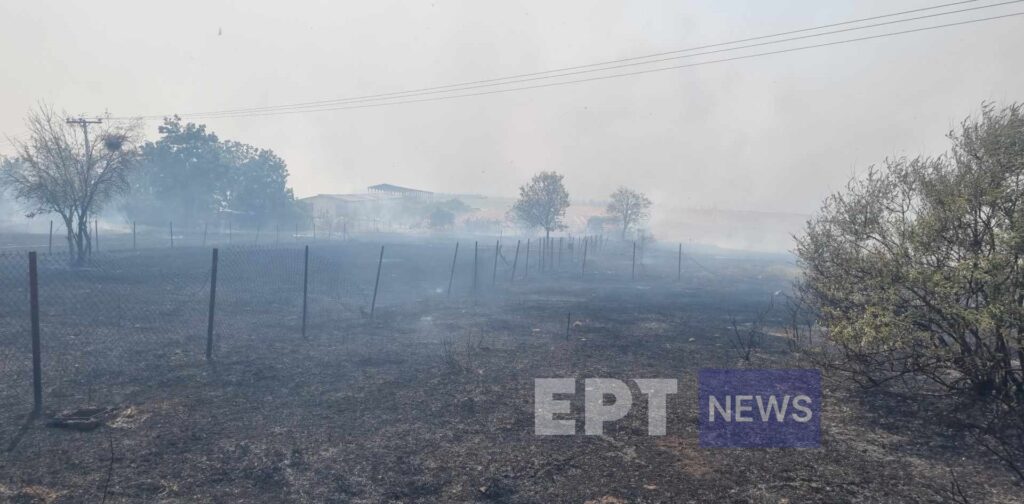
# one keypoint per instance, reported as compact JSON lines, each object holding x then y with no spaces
{"x":399,"y":191}
{"x":380,"y":207}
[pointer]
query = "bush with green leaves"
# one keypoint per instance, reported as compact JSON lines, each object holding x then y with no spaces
{"x":917,"y":269}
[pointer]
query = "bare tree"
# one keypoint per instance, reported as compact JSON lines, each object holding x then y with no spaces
{"x":629,"y":207}
{"x":542,"y":202}
{"x":66,"y":169}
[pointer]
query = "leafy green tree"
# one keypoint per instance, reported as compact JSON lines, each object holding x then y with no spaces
{"x":917,"y":269}
{"x":542,"y":202}
{"x":258,"y":184}
{"x":629,"y":207}
{"x":183,"y":176}
{"x":190,"y":174}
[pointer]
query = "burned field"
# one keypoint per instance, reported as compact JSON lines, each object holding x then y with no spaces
{"x":431,"y":398}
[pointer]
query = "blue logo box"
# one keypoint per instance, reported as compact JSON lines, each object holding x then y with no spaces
{"x":760,"y":408}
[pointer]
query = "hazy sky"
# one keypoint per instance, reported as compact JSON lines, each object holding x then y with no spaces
{"x":773,"y":133}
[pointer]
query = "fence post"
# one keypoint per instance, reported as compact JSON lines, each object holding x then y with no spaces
{"x":633,"y":274}
{"x":559,"y":251}
{"x":96,"y":233}
{"x":679,"y":264}
{"x":37,"y":361}
{"x":213,"y":304}
{"x":49,"y":248}
{"x":376,"y":284}
{"x":526,"y":269}
{"x":229,"y":232}
{"x":583,"y":271}
{"x":451,"y":277}
{"x":172,"y":234}
{"x":568,"y":324}
{"x":515,"y":262}
{"x":476,"y":269}
{"x":305,"y":288}
{"x":541,"y":244}
{"x":133,"y":236}
{"x":494,"y":272}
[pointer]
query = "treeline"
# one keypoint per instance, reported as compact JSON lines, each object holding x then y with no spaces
{"x":190,"y":175}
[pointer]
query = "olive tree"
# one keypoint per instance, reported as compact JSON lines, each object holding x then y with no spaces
{"x":629,"y":207}
{"x":66,"y":169}
{"x":542,"y":202}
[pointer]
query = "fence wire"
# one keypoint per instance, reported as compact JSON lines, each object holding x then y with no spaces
{"x":129,"y":319}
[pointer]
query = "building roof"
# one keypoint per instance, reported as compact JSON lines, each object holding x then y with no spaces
{"x":350,"y":198}
{"x":396,"y":189}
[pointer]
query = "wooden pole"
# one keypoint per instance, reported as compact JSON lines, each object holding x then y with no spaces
{"x":515,"y":262}
{"x":172,"y":234}
{"x":451,"y":277}
{"x":376,"y":284}
{"x":37,"y":360}
{"x":494,"y":272}
{"x":305,"y":288}
{"x":213,"y":304}
{"x":96,"y":233}
{"x":49,"y":248}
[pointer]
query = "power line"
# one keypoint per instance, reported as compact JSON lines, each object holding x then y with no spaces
{"x":535,"y":75}
{"x":580,"y":72}
{"x":628,"y":74}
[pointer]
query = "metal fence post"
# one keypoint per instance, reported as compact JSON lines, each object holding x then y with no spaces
{"x":451,"y":277}
{"x":213,"y":304}
{"x":526,"y":269}
{"x":476,"y":269}
{"x":494,"y":272}
{"x":376,"y":284}
{"x":679,"y":264}
{"x":515,"y":262}
{"x":305,"y":288}
{"x":37,"y":361}
{"x":633,"y":273}
{"x":583,"y":270}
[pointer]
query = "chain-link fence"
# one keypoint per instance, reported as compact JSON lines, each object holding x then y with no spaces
{"x":129,"y":319}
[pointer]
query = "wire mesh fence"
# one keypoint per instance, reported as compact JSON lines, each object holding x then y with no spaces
{"x":129,"y":319}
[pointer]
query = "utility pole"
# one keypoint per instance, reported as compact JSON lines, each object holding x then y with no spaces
{"x":84,"y":123}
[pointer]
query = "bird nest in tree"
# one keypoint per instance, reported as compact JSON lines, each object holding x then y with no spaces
{"x":113,"y":142}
